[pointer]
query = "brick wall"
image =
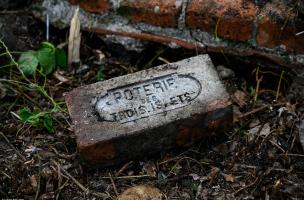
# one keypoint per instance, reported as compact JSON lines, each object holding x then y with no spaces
{"x":263,"y":28}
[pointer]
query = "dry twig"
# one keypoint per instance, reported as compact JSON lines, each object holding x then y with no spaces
{"x":247,"y":186}
{"x":123,"y":168}
{"x":113,"y":184}
{"x":259,"y":110}
{"x":39,"y":178}
{"x":84,"y":189}
{"x":258,"y":82}
{"x":12,"y":146}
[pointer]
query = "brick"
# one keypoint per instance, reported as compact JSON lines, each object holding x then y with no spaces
{"x":228,"y":19}
{"x":149,"y":111}
{"x":154,"y":12}
{"x":96,"y":6}
{"x":277,"y":26}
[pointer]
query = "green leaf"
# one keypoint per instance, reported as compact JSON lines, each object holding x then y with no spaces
{"x":47,"y":45}
{"x":61,"y":59}
{"x":48,"y":123}
{"x":31,"y":117}
{"x":25,"y":114}
{"x":251,"y":91}
{"x":28,"y":62}
{"x":100,"y":75}
{"x":37,"y":118}
{"x":47,"y":60}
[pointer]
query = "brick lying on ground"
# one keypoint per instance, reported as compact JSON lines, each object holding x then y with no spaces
{"x":149,"y":111}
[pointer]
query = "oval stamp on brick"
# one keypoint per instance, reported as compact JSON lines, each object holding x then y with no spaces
{"x":147,"y":98}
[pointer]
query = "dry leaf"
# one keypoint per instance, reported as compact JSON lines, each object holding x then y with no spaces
{"x":264,"y":131}
{"x":100,"y":57}
{"x":240,"y":98}
{"x":194,"y":176}
{"x":34,"y":182}
{"x":214,"y":172}
{"x":141,"y":192}
{"x":229,"y":177}
{"x":74,"y":39}
{"x":60,"y":77}
{"x":150,"y":168}
{"x":253,"y":132}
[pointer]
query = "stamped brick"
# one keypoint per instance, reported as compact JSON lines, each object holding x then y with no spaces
{"x":228,"y":19}
{"x":149,"y":111}
{"x":277,"y":27}
{"x":96,"y":6}
{"x":154,"y":12}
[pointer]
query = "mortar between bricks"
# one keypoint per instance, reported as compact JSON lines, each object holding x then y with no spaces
{"x":149,"y":111}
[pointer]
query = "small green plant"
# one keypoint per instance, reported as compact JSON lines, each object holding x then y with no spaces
{"x":37,"y":118}
{"x":251,"y":91}
{"x":45,"y":59}
{"x":100,"y":75}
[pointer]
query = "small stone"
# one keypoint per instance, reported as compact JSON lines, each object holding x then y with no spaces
{"x":224,"y":72}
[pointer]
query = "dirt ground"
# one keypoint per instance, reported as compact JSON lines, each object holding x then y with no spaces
{"x":261,"y":158}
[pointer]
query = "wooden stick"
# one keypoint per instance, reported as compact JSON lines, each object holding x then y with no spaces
{"x":149,"y":37}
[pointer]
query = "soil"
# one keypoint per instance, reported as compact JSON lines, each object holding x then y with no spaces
{"x":261,"y":158}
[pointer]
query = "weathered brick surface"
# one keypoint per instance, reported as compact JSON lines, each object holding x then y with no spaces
{"x":96,"y":6}
{"x":149,"y":111}
{"x":228,"y":19}
{"x":261,"y":28}
{"x":155,"y":12}
{"x":276,"y":26}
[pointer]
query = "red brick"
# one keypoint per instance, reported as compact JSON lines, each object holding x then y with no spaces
{"x":161,"y":117}
{"x":224,"y":18}
{"x":96,"y":6}
{"x":154,"y":12}
{"x":276,"y":27}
